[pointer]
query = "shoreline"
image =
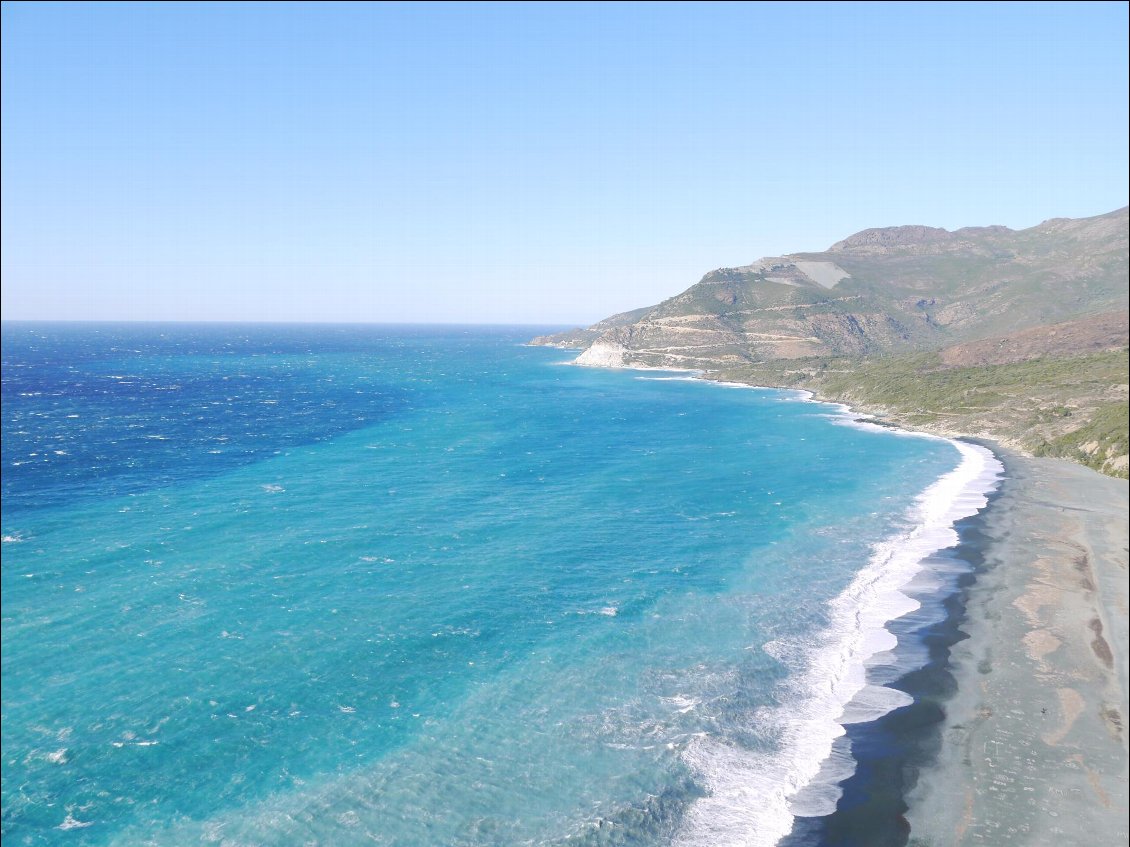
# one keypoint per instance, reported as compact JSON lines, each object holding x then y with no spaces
{"x":853,"y":665}
{"x":1043,"y":607}
{"x":1028,"y":667}
{"x":917,"y":623}
{"x":891,"y":750}
{"x":1018,"y":732}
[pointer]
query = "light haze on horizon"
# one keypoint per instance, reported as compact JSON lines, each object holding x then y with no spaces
{"x":540,"y":164}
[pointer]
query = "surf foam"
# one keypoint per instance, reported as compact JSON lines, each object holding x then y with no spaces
{"x":755,"y":796}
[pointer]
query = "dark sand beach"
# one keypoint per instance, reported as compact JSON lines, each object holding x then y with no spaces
{"x":1033,"y":746}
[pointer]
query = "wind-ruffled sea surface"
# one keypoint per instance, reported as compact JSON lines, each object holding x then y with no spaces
{"x":298,"y":585}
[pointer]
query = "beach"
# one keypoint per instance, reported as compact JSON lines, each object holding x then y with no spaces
{"x":1033,"y":743}
{"x":1017,"y":735}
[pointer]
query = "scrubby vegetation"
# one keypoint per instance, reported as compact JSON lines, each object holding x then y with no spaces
{"x":1098,"y":444}
{"x":1073,"y":407}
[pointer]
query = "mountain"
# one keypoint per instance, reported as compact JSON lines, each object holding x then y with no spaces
{"x":924,"y":300}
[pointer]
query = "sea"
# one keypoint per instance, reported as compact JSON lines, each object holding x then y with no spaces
{"x":409,"y":585}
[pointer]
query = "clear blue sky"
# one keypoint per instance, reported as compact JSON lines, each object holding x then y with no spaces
{"x":521,"y":163}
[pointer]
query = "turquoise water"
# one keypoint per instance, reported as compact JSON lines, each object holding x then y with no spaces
{"x":414,"y":586}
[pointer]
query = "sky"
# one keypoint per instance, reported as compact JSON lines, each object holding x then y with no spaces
{"x":520,"y":163}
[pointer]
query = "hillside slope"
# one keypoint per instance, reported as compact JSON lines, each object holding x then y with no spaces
{"x":1028,"y":327}
{"x":881,"y":290}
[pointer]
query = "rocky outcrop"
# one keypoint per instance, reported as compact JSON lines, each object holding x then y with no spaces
{"x":883,"y":239}
{"x":603,"y":354}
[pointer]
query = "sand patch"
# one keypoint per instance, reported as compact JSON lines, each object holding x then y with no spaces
{"x":1036,"y":598}
{"x":966,"y":816}
{"x":1040,"y":642}
{"x":1071,"y":704}
{"x":1093,"y":779}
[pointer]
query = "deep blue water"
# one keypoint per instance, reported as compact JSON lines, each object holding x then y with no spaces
{"x":299,"y":585}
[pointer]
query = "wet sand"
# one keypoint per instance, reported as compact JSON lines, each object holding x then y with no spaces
{"x":1034,"y":741}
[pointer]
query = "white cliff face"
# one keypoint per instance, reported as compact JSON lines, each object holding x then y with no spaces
{"x":603,"y":354}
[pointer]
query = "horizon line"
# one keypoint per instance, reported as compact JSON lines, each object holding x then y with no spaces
{"x":258,"y":322}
